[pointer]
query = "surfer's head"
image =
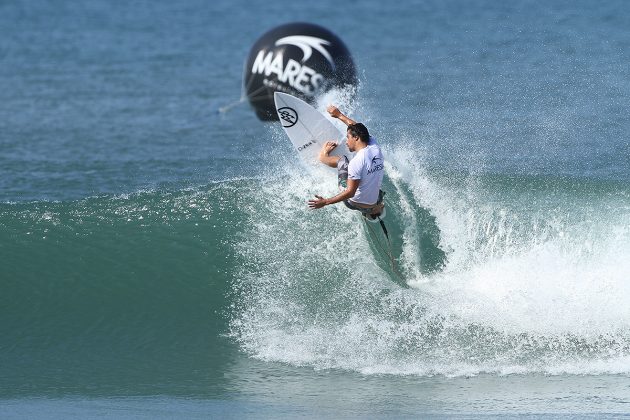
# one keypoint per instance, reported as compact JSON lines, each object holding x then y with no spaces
{"x":360,"y":131}
{"x":357,"y":134}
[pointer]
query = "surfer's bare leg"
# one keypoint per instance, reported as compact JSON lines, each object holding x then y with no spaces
{"x":324,"y":154}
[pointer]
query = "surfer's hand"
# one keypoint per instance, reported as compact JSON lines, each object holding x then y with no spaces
{"x":318,"y":203}
{"x":333,"y":111}
{"x":328,"y":147}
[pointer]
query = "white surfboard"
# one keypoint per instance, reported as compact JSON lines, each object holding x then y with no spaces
{"x":307,"y":128}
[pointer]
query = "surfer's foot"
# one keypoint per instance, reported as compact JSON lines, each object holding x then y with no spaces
{"x":377,"y":210}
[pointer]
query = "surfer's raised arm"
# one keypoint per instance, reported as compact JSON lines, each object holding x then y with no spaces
{"x":335,"y":113}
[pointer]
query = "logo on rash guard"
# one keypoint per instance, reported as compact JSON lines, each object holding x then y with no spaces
{"x":377,"y":165}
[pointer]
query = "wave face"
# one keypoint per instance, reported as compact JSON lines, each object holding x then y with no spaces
{"x":117,"y":293}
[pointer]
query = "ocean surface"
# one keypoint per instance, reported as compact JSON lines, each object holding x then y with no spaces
{"x":158,"y":259}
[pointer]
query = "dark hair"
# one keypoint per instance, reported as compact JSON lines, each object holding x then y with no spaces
{"x":360,"y":131}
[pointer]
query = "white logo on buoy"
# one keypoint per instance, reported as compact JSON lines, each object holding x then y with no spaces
{"x":306,"y":44}
{"x":300,"y":77}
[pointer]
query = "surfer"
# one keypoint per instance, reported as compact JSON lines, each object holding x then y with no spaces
{"x":361,"y":177}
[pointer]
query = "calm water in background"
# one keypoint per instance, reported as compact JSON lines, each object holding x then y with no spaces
{"x":152,"y":249}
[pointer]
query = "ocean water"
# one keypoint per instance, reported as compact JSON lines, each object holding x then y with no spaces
{"x":158,"y":259}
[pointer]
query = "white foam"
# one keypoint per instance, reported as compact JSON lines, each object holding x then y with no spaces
{"x":533,"y":282}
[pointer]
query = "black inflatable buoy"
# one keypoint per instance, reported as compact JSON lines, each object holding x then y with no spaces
{"x":301,"y":59}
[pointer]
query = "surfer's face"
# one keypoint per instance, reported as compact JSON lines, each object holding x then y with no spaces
{"x":351,"y":141}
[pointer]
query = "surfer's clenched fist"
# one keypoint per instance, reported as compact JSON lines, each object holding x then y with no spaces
{"x":333,"y":111}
